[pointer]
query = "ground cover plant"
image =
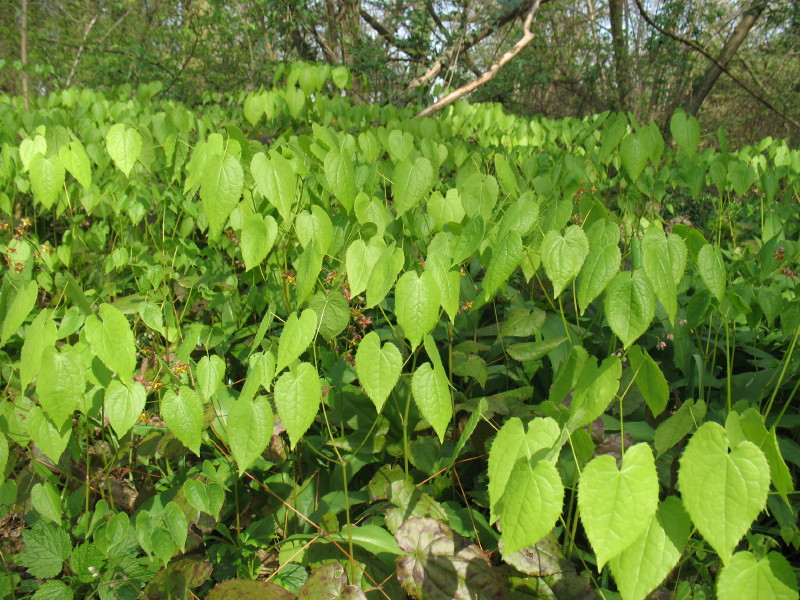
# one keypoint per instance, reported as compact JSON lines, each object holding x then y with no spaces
{"x":284,"y":346}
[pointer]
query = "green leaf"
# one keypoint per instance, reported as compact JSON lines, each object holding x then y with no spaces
{"x":340,"y":77}
{"x":712,"y":270}
{"x":44,"y":434}
{"x":297,"y":398}
{"x":296,"y":336}
{"x":445,"y":209}
{"x":53,"y":589}
{"x":686,"y":131}
{"x":40,"y":335}
{"x":250,"y":423}
{"x":46,"y":501}
{"x":723,"y":491}
{"x":594,"y":391}
{"x":469,"y":240}
{"x":314,"y":226}
{"x":752,"y":424}
{"x":47,"y":179}
{"x":258,"y":236}
{"x":76,"y":161}
{"x":112,"y":340}
{"x":341,"y":176}
{"x":616,"y":504}
{"x":360,"y":259}
{"x":384,"y":275}
{"x":208,"y":375}
{"x":332,"y":310}
{"x":676,"y":427}
{"x":634,"y":153}
{"x":175,"y":520}
{"x":657,"y":262}
{"x":563,"y":256}
{"x":431,"y":392}
{"x":505,"y":258}
{"x":378,"y":368}
{"x":649,"y":380}
{"x":124,"y":146}
{"x":124,"y":405}
{"x":412,"y":182}
{"x":309,"y":267}
{"x":600,"y":267}
{"x":260,"y":373}
{"x":531,"y":504}
{"x":479,"y":195}
{"x":449,"y":282}
{"x":416,"y":305}
{"x":768,"y":578}
{"x":644,"y":565}
{"x":678,"y":253}
{"x":529,"y":351}
{"x":18,"y":311}
{"x":630,"y":305}
{"x":276,"y":180}
{"x":220,"y":190}
{"x":29,"y":148}
{"x":47,"y":547}
{"x":183,"y":414}
{"x":3,"y":457}
{"x":60,"y":385}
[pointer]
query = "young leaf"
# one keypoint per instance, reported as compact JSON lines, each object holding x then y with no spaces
{"x":183,"y":414}
{"x":124,"y":146}
{"x":616,"y":504}
{"x":360,"y":259}
{"x":341,"y":176}
{"x":75,"y":159}
{"x":640,"y":568}
{"x":112,"y":340}
{"x":747,"y":576}
{"x":47,"y":179}
{"x":563,"y":256}
{"x":445,"y":209}
{"x":208,"y":375}
{"x":378,"y":368}
{"x":412,"y":181}
{"x":276,"y":181}
{"x":258,"y":236}
{"x":630,"y":305}
{"x":431,"y":393}
{"x":712,"y":270}
{"x":220,"y":190}
{"x":531,"y":504}
{"x":297,"y":399}
{"x":505,"y":258}
{"x":658,"y":267}
{"x":723,"y":490}
{"x":18,"y":311}
{"x":649,"y":380}
{"x":296,"y":336}
{"x":250,"y":424}
{"x":416,"y":305}
{"x":44,"y":434}
{"x":124,"y":405}
{"x":60,"y":385}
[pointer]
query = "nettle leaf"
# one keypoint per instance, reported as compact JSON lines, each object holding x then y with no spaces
{"x":18,"y":311}
{"x":600,"y":267}
{"x":512,"y":443}
{"x":60,"y":385}
{"x":412,"y":182}
{"x":48,"y":437}
{"x":641,"y":568}
{"x":220,"y":189}
{"x":296,"y":336}
{"x":595,"y":389}
{"x":378,"y":368}
{"x":657,"y":263}
{"x":431,"y":391}
{"x":341,"y":176}
{"x":297,"y":398}
{"x":505,"y":258}
{"x":208,"y":375}
{"x":616,"y":505}
{"x":630,"y":305}
{"x":250,"y":424}
{"x":360,"y":259}
{"x":332,"y":310}
{"x":649,"y":380}
{"x":416,"y":305}
{"x":40,"y":335}
{"x":276,"y":180}
{"x":563,"y":256}
{"x":47,"y":179}
{"x":747,"y":576}
{"x":712,"y":270}
{"x":74,"y":158}
{"x":123,"y":405}
{"x":442,"y":565}
{"x":723,"y":489}
{"x":112,"y":340}
{"x":47,"y":548}
{"x":124,"y":146}
{"x":531,"y":504}
{"x":183,"y":414}
{"x":258,"y":237}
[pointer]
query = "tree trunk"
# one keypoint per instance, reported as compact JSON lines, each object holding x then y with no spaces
{"x":620,"y":46}
{"x":23,"y":52}
{"x":703,"y":88}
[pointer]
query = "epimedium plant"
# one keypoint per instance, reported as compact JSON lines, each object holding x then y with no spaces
{"x":470,"y":356}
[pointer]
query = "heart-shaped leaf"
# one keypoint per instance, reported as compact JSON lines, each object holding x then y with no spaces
{"x":112,"y":340}
{"x":563,"y":256}
{"x":44,"y":434}
{"x":630,"y":305}
{"x":123,"y":405}
{"x":297,"y":334}
{"x":61,"y":382}
{"x":124,"y":146}
{"x":250,"y":424}
{"x":47,"y":179}
{"x":360,"y":259}
{"x":183,"y":414}
{"x":378,"y":368}
{"x":416,"y":305}
{"x":431,"y":392}
{"x":297,"y":397}
{"x":411,"y":182}
{"x":745,"y":576}
{"x":616,"y":504}
{"x":258,"y":236}
{"x":712,"y":270}
{"x":723,"y":489}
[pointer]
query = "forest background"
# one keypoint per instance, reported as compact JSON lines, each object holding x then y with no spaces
{"x":736,"y":63}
